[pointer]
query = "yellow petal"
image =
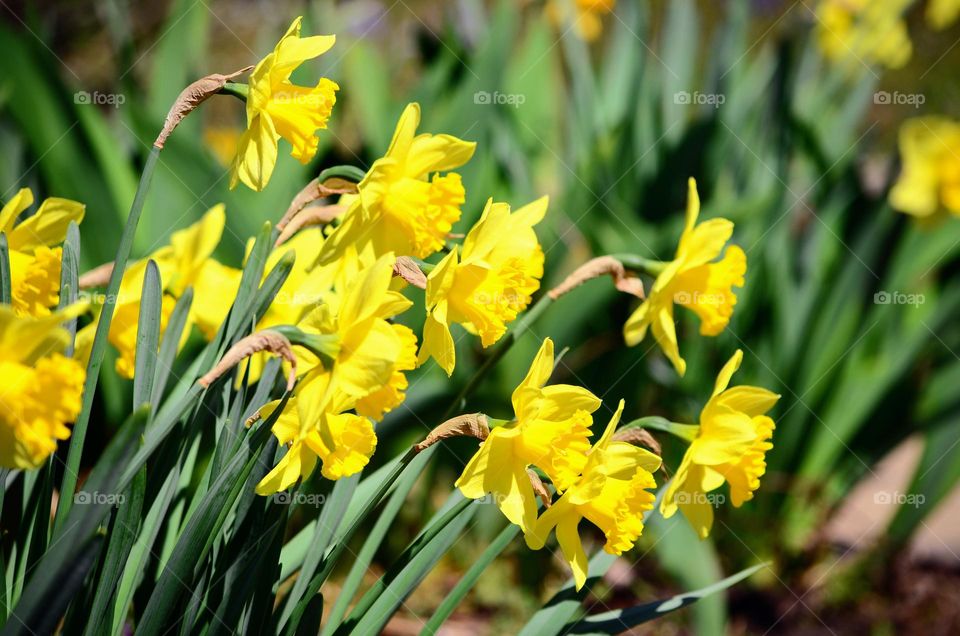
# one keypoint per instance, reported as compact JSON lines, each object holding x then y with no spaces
{"x":48,"y":227}
{"x":404,"y":133}
{"x":540,"y":370}
{"x":437,"y":341}
{"x":256,"y":155}
{"x":438,"y":153}
{"x":665,"y":333}
{"x":751,"y":400}
{"x":572,"y":549}
{"x":298,"y":463}
{"x":726,"y":373}
{"x":22,"y":200}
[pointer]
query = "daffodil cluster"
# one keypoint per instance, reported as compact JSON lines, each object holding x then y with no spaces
{"x":611,"y":482}
{"x":340,"y":320}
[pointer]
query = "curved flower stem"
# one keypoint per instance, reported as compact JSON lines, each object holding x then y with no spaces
{"x":519,"y":328}
{"x":69,"y":485}
{"x":240,"y":90}
{"x":350,"y":173}
{"x":638,"y":263}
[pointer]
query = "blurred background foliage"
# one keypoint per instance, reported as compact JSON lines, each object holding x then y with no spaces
{"x":798,"y":155}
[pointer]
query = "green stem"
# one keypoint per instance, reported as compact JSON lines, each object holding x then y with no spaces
{"x":331,"y":558}
{"x":638,"y":263}
{"x":240,"y":90}
{"x":519,"y":328}
{"x":350,"y":173}
{"x":69,"y":485}
{"x":469,"y":579}
{"x":687,"y":432}
{"x":6,"y":293}
{"x":412,"y":549}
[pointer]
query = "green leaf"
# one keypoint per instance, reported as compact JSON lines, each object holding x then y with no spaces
{"x":169,"y":345}
{"x":563,"y":606}
{"x":330,"y":518}
{"x":148,"y":335}
{"x":190,"y":554}
{"x":121,"y":537}
{"x":97,"y":350}
{"x":386,"y":596}
{"x":469,"y":579}
{"x":363,"y":559}
{"x":73,"y":548}
{"x":5,"y":287}
{"x":618,"y":621}
{"x":69,"y":278}
{"x":693,"y":563}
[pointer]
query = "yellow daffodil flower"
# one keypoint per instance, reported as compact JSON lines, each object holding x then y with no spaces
{"x":730,"y":446}
{"x":484,"y":286}
{"x":368,"y":353}
{"x":186,"y":262}
{"x":34,"y":252}
{"x":694,"y":280}
{"x":303,"y":289}
{"x":612,"y":494}
{"x":929,"y":184}
{"x":314,"y":427}
{"x":405,"y":206}
{"x":587,"y":18}
{"x":942,"y":13}
{"x":551,"y":431}
{"x":278,"y":108}
{"x":41,"y":388}
{"x":856,"y":32}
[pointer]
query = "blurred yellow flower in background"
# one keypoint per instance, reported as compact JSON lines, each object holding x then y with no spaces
{"x":864,"y":31}
{"x":586,"y":18}
{"x":223,"y":142}
{"x":405,"y":206}
{"x":40,"y":388}
{"x":33,"y":247}
{"x":695,"y":280}
{"x":942,"y":13}
{"x":551,"y":431}
{"x":730,"y":446}
{"x":612,"y":494}
{"x":278,"y":108}
{"x":186,"y":262}
{"x":929,"y":182}
{"x":484,"y":286}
